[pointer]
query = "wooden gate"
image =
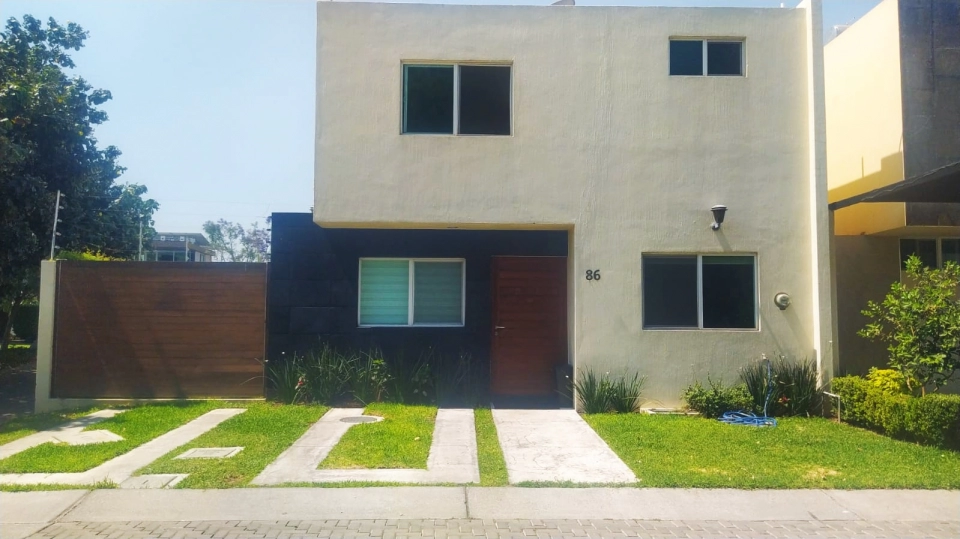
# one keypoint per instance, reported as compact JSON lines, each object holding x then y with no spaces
{"x":159,"y":330}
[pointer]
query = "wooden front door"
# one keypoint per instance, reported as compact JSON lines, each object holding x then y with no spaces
{"x":529,"y":324}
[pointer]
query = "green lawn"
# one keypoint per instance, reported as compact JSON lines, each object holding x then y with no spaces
{"x":401,"y":440}
{"x":678,"y":451}
{"x":264,"y":431}
{"x":493,"y":469}
{"x":137,"y":426}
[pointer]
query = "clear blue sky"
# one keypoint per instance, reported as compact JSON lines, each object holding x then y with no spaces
{"x":213,"y":100}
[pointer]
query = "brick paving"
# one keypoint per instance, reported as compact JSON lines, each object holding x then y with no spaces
{"x":499,"y":529}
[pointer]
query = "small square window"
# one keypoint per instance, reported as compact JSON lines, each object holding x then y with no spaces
{"x":686,"y":57}
{"x":484,"y":100}
{"x":428,"y":99}
{"x":724,"y":58}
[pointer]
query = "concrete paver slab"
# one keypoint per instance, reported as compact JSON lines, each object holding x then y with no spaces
{"x":270,"y":504}
{"x":918,"y":505}
{"x":209,"y":453}
{"x":452,"y":458}
{"x":120,"y":469}
{"x":556,"y":445}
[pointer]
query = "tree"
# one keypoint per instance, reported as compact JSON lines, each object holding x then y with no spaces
{"x":47,"y":144}
{"x":235,"y":244}
{"x":920,"y":321}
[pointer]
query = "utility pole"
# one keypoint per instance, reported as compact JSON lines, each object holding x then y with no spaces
{"x":56,"y":219}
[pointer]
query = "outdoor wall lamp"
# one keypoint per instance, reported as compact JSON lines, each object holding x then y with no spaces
{"x":782,"y":301}
{"x":719,"y":211}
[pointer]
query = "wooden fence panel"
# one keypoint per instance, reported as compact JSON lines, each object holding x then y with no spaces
{"x":159,"y":330}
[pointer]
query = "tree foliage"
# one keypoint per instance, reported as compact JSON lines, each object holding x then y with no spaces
{"x":47,"y":119}
{"x":920,"y":322}
{"x":233,"y":243}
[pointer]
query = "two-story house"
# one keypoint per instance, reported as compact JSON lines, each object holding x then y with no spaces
{"x":180,"y":247}
{"x":893,"y":159}
{"x":619,"y":189}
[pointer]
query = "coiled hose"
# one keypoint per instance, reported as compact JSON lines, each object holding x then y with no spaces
{"x":750,"y":419}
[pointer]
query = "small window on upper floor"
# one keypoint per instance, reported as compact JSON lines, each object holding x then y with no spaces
{"x":456,"y":99}
{"x":699,"y":57}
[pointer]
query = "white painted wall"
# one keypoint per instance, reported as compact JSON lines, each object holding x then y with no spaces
{"x":606,"y":144}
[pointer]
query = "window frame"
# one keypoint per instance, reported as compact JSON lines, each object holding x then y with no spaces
{"x":704,"y":68}
{"x":411,"y":276}
{"x":699,"y":326}
{"x":456,"y":94}
{"x":939,"y":249}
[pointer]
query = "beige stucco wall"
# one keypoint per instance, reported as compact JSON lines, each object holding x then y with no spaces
{"x":865,"y":119}
{"x":605,"y":144}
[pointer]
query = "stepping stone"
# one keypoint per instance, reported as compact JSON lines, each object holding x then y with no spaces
{"x":165,"y":480}
{"x":86,"y":437}
{"x":209,"y":453}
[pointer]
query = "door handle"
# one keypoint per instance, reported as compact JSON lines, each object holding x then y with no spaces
{"x":499,"y":327}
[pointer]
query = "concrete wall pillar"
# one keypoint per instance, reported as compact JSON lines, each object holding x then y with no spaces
{"x":45,"y":333}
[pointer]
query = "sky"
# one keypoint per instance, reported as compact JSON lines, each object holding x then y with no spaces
{"x":213,"y":100}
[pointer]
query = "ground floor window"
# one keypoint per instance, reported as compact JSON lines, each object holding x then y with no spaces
{"x":934,"y":253}
{"x":411,"y":292}
{"x":699,"y":291}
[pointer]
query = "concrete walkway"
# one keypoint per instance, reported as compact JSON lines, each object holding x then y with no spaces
{"x":556,"y":445}
{"x":121,"y":468}
{"x":480,"y":512}
{"x":452,"y":459}
{"x":70,"y":433}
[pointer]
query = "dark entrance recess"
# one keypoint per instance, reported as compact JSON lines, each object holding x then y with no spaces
{"x":312,"y":293}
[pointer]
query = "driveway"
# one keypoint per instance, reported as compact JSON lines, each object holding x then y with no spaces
{"x":556,"y":446}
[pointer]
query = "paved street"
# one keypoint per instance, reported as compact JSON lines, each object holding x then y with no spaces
{"x":498,"y":529}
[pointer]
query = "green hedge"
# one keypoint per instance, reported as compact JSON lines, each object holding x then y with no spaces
{"x":931,"y":420}
{"x":26,"y":321}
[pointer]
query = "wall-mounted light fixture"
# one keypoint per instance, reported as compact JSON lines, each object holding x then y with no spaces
{"x":782,"y":301}
{"x":719,"y":211}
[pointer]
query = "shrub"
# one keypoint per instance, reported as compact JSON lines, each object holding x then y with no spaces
{"x":593,"y":392}
{"x":717,"y":399}
{"x":412,"y":383}
{"x":797,"y":387}
{"x":792,"y":386}
{"x":325,"y":373}
{"x":919,"y":320}
{"x":368,"y":380}
{"x":887,"y":380}
{"x":285,"y":379}
{"x":625,"y":393}
{"x":930,"y":419}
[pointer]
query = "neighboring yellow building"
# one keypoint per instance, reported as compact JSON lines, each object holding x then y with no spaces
{"x":892,"y":95}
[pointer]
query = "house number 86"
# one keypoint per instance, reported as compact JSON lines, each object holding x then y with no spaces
{"x":593,"y":275}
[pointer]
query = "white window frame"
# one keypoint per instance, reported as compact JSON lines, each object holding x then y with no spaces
{"x":939,"y":241}
{"x":699,"y":327}
{"x":410,"y":292}
{"x":705,"y":40}
{"x":456,"y":95}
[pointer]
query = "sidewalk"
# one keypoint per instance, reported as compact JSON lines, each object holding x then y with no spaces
{"x":479,"y":512}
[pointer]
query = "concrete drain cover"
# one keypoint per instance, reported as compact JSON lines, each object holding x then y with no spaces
{"x":361,"y":419}
{"x":209,"y":453}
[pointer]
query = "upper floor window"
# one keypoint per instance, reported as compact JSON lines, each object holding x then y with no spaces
{"x":706,"y":57}
{"x":456,"y":99}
